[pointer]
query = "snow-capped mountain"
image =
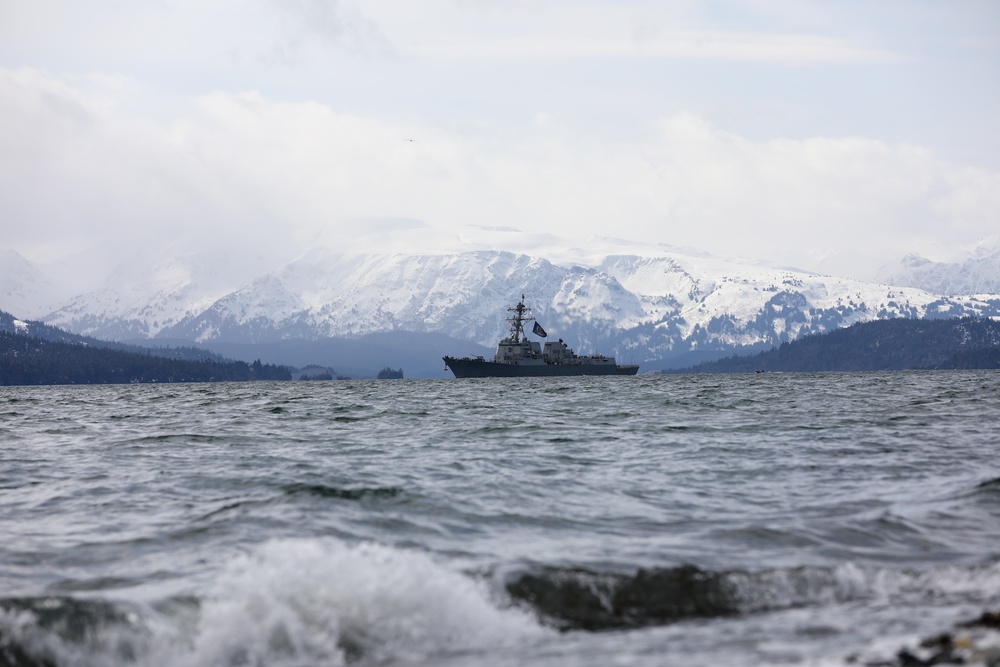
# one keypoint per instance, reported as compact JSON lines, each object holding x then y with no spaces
{"x":657,"y":305}
{"x":465,"y":295}
{"x":979,"y":273}
{"x":144,"y":297}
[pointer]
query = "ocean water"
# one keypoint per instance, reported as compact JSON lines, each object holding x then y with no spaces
{"x":771,"y":519}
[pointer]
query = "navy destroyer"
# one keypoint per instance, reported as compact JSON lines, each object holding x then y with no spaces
{"x":517,"y":356}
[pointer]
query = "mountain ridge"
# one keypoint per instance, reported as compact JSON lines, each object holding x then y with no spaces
{"x":654,"y":307}
{"x":975,"y":275}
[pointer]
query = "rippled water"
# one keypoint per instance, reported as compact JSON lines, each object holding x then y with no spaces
{"x":701,"y":520}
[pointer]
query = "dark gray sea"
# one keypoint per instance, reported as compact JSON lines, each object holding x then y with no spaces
{"x":771,"y":519}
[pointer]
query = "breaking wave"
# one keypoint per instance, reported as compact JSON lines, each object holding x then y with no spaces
{"x":323,"y":602}
{"x":291,"y":602}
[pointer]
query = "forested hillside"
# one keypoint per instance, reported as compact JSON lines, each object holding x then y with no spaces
{"x":896,"y":344}
{"x":29,"y":360}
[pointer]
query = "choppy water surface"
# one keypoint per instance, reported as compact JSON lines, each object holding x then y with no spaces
{"x":699,"y":520}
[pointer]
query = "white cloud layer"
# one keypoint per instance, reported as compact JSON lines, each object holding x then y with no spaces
{"x":783,"y":131}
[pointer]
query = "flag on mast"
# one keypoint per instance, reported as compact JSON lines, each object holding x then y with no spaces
{"x":538,"y":330}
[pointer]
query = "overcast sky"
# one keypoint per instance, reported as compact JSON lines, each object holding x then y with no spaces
{"x":833,"y":136}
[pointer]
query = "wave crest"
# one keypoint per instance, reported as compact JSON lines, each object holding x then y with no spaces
{"x":289,"y":602}
{"x":328,"y":602}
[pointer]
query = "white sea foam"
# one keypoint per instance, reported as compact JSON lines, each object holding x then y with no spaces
{"x":319,"y":600}
{"x":323,"y":602}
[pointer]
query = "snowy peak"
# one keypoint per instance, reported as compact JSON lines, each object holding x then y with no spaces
{"x":977,"y":272}
{"x":249,"y":315}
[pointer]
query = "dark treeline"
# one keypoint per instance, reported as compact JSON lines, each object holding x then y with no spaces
{"x":899,"y":344}
{"x":987,"y":357}
{"x":28,"y":360}
{"x":316,"y":376}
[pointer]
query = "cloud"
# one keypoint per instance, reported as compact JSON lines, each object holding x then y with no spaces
{"x":314,"y":29}
{"x":82,"y":168}
{"x":791,"y":49}
{"x":596,"y":30}
{"x":181,"y":42}
{"x":799,"y":201}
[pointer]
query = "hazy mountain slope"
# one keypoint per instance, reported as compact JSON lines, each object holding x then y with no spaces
{"x":973,"y":276}
{"x":24,"y":288}
{"x":978,"y":274}
{"x":145,"y":297}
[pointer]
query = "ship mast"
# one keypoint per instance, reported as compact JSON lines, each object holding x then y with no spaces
{"x":521,"y":315}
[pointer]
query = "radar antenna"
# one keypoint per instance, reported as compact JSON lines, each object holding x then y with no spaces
{"x":521,"y":315}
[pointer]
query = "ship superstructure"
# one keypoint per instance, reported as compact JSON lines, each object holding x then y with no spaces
{"x":517,"y":356}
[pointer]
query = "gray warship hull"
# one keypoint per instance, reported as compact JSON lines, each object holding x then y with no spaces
{"x":481,"y":368}
{"x":518,"y":357}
